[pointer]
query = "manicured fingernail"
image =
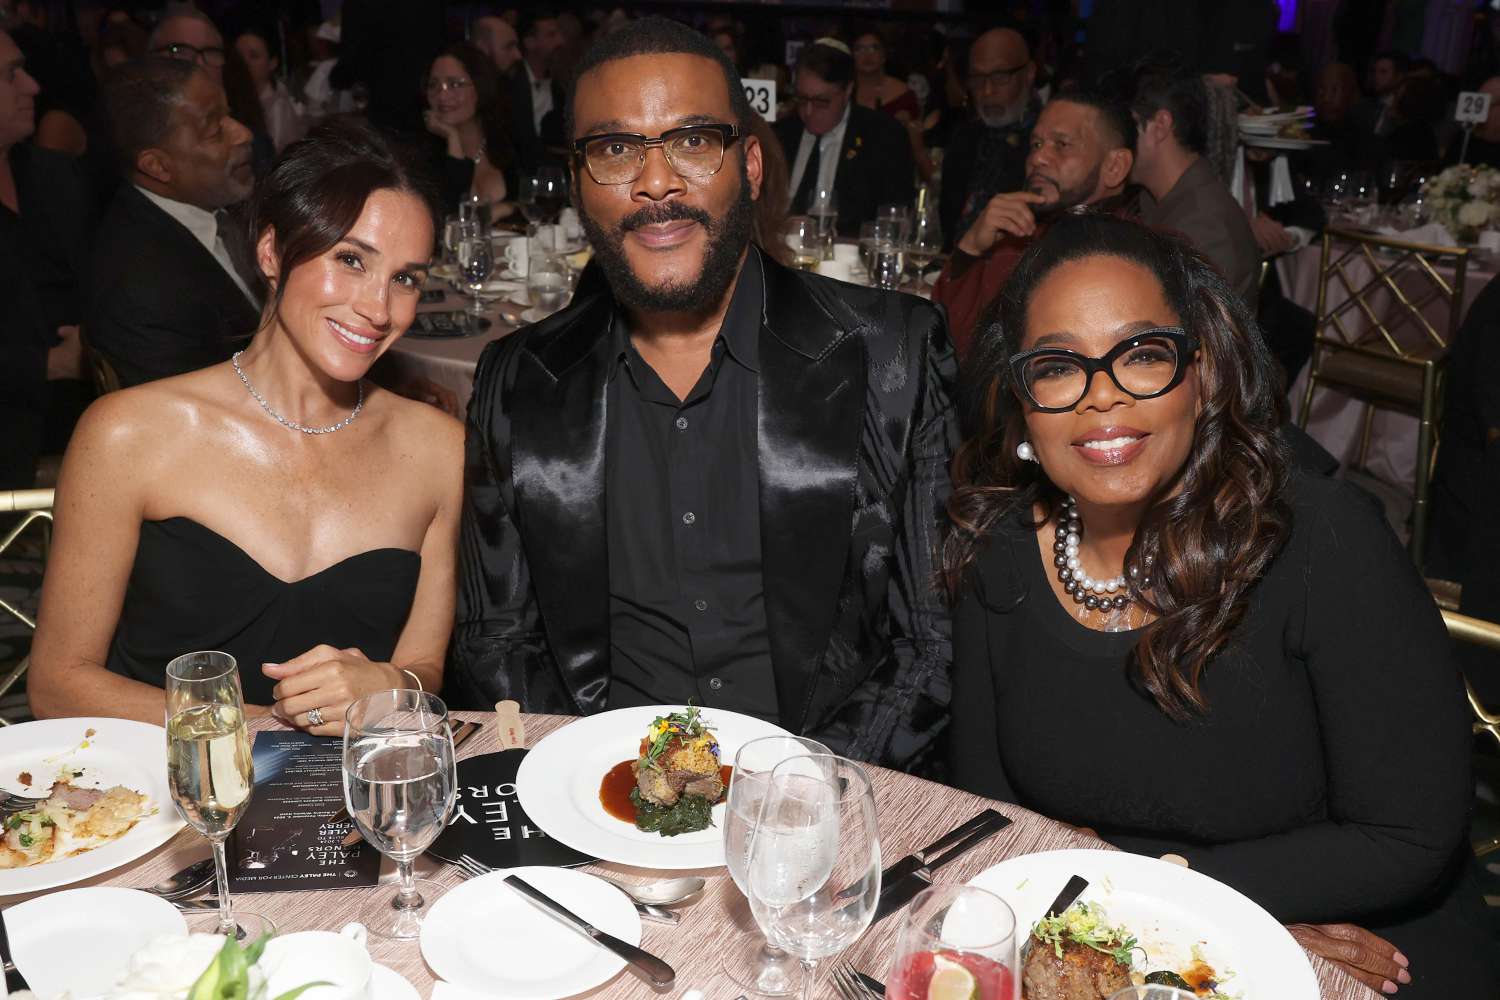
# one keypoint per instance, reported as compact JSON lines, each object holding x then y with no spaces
{"x":1387,"y":987}
{"x":1401,"y":960}
{"x":1403,"y":977}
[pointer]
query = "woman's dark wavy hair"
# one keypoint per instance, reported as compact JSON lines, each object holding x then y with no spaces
{"x":319,"y":184}
{"x":1214,"y":527}
{"x":491,"y":101}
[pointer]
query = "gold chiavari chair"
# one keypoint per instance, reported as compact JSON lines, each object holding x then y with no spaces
{"x":1487,"y":634}
{"x":1378,"y":344}
{"x":35,"y":508}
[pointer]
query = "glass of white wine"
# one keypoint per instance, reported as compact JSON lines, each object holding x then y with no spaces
{"x":801,"y":234}
{"x":209,"y":767}
{"x":399,"y":785}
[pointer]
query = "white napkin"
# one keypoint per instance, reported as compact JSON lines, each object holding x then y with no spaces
{"x":1432,"y":233}
{"x":1281,"y":182}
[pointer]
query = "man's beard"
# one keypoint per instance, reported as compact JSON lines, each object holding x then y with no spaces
{"x":726,"y":239}
{"x":1067,"y":198}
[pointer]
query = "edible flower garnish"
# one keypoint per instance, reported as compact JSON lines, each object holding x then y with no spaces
{"x":1085,"y":923}
{"x":677,"y":725}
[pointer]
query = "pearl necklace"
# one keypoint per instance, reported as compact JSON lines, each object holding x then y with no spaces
{"x":283,"y":421}
{"x":1094,"y":595}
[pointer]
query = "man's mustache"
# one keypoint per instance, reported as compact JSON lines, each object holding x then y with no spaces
{"x":655,"y":215}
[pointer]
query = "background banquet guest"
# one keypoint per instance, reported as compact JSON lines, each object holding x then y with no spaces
{"x":283,"y":120}
{"x":496,"y":38}
{"x":1373,"y":113}
{"x":534,"y":92}
{"x":863,"y":156}
{"x":1182,"y":192}
{"x":171,"y":285}
{"x":1417,"y":105}
{"x":874,"y":87}
{"x":307,"y":524}
{"x":1080,"y":155}
{"x":466,"y":110}
{"x":987,"y":155}
{"x":42,"y":243}
{"x":774,"y":445}
{"x":1351,"y":145}
{"x":769,"y":226}
{"x":1231,"y":669}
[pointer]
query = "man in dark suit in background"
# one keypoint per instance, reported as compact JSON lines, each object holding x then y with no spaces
{"x":862,"y":154}
{"x":536,"y":99}
{"x":774,"y":446}
{"x":172,"y":288}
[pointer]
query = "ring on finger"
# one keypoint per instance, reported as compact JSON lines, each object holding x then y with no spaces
{"x":315,"y":717}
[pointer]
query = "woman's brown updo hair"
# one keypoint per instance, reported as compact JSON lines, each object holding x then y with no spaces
{"x":1215,"y":526}
{"x":318,"y":186}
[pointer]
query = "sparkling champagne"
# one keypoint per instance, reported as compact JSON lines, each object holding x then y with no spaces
{"x":209,"y":767}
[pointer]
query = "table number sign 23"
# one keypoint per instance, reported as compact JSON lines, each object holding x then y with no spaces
{"x":762,"y":97}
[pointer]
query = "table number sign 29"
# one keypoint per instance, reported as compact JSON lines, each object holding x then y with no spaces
{"x":1473,"y":107}
{"x":762,"y":97}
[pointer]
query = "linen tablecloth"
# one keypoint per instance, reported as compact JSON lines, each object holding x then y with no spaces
{"x":912,"y":812}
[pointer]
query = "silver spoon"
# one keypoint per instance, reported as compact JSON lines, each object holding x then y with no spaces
{"x":662,"y":893}
{"x":192,"y":880}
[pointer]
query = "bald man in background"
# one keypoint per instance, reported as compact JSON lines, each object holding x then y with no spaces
{"x":987,"y":155}
{"x":495,"y":37}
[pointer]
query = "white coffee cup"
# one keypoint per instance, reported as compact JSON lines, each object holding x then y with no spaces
{"x":293,"y":960}
{"x":517,"y":252}
{"x":847,"y":253}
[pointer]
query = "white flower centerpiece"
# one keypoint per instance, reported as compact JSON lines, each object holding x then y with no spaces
{"x":1465,"y":199}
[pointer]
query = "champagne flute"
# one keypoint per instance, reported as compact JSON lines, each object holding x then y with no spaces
{"x":814,"y":866}
{"x":400,"y":781}
{"x":209,"y":767}
{"x":755,"y":963}
{"x":476,"y":260}
{"x":964,"y":935}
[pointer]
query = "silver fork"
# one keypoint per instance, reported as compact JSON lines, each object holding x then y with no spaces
{"x":849,"y":985}
{"x":472,"y":867}
{"x":10,"y":802}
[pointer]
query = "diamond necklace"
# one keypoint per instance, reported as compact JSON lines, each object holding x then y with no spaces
{"x":283,"y":421}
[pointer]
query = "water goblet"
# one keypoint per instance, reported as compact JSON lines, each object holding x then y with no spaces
{"x":476,"y":261}
{"x":755,"y":964}
{"x":399,"y":786}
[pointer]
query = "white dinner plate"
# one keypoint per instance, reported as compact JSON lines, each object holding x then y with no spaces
{"x":557,"y":786}
{"x":79,"y":941}
{"x":485,"y":936}
{"x":1279,"y":142}
{"x":119,"y":752}
{"x":1170,"y":909}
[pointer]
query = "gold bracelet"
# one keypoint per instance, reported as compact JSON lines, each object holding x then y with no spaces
{"x":415,"y":679}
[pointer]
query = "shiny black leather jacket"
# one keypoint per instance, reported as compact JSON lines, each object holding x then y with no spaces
{"x":856,"y":429}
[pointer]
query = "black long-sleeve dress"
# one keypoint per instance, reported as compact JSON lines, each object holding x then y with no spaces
{"x":1329,"y":780}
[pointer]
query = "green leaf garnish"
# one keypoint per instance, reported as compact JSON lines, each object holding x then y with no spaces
{"x":1085,"y":924}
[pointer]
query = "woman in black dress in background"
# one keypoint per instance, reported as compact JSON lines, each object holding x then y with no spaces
{"x":1203,"y":652}
{"x":277,"y":507}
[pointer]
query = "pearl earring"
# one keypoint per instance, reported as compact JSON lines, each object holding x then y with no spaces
{"x":1025,"y":452}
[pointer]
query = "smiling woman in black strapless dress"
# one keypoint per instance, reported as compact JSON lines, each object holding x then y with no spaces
{"x":277,"y":507}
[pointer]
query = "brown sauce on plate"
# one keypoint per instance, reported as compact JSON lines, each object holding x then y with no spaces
{"x":614,"y":790}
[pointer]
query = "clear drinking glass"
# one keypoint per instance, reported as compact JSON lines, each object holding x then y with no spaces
{"x":899,"y":215}
{"x":399,"y":785}
{"x":452,"y":235}
{"x":755,"y":963}
{"x":814,"y":865}
{"x":801,"y":234}
{"x":889,"y":260}
{"x":209,"y":767}
{"x":825,"y":214}
{"x":926,"y":240}
{"x":476,"y":260}
{"x":543,"y":195}
{"x":549,"y":281}
{"x":965,"y":935}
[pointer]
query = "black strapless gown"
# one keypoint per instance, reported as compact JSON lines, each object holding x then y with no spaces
{"x":191,"y":588}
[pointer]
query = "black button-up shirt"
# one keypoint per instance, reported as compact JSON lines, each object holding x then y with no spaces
{"x":682,"y":489}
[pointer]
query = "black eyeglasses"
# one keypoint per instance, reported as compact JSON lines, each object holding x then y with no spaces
{"x":1149,"y":364}
{"x":979,"y":82}
{"x":209,"y":56}
{"x":691,"y":151}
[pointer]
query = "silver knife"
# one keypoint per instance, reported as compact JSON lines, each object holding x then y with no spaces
{"x":655,"y":914}
{"x":14,"y":981}
{"x":461,"y":735}
{"x":898,"y":894}
{"x":912,"y":862}
{"x":657,"y":972}
{"x":1065,"y":899}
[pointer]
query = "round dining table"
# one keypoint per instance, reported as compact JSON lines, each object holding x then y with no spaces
{"x":449,"y":361}
{"x":911,"y":812}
